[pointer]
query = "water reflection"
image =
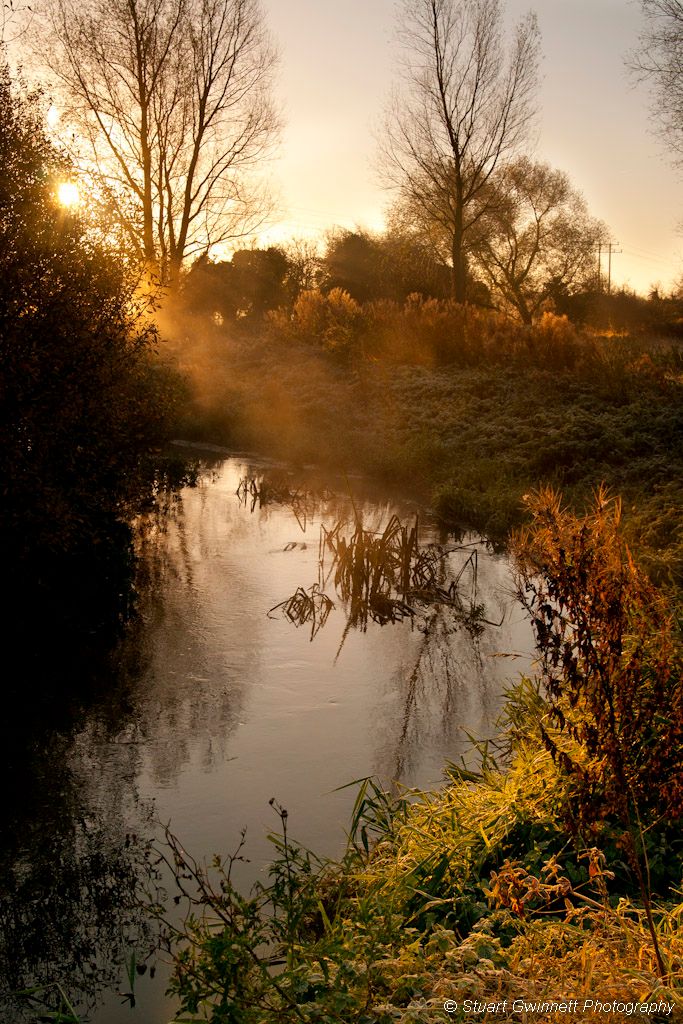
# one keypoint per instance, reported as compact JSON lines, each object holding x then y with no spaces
{"x":220,"y":690}
{"x":212,"y":708}
{"x":441,"y":687}
{"x":71,"y":853}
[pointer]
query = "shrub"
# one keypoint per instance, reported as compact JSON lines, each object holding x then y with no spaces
{"x":612,"y":671}
{"x":330,"y":322}
{"x":611,"y":661}
{"x":85,"y":401}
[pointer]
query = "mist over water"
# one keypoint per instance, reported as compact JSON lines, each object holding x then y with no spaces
{"x":216,"y":707}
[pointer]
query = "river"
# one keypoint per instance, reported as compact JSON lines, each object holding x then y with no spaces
{"x":216,"y":702}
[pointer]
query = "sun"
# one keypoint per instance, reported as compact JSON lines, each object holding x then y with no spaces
{"x":67,"y":194}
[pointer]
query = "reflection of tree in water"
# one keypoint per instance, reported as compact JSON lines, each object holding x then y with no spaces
{"x":69,"y":868}
{"x":387,"y":576}
{"x":186,"y":694}
{"x":448,"y":673}
{"x":303,"y":502}
{"x":74,"y":742}
{"x":439,"y":675}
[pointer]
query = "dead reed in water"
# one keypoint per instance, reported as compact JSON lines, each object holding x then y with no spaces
{"x":384,"y":577}
{"x":306,"y":606}
{"x":371,"y":570}
{"x":257,"y":492}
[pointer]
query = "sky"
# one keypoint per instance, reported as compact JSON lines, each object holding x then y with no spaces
{"x":338,"y":62}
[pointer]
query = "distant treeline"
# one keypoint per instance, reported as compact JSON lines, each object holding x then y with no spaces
{"x":398,"y":266}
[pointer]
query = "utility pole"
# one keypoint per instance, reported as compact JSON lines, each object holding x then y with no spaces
{"x":610,"y":250}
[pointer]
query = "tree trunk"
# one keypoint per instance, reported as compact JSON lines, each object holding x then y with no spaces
{"x":458,"y":257}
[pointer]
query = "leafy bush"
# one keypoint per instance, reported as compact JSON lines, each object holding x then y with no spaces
{"x":86,"y":404}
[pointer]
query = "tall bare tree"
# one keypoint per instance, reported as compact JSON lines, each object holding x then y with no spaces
{"x":659,"y":59}
{"x":538,"y":240}
{"x":169,"y":102}
{"x":465,"y":106}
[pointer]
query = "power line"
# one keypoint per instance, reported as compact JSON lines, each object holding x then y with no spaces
{"x":635,"y":255}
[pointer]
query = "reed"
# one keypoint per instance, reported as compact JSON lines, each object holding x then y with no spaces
{"x":304,"y":607}
{"x":386,"y":576}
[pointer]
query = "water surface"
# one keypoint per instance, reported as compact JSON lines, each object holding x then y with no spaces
{"x":214,"y":706}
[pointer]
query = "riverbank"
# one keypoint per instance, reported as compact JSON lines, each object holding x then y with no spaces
{"x":552,"y":875}
{"x":472,"y":439}
{"x":468,"y":906}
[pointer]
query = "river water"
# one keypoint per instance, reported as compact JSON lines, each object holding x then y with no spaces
{"x":213,"y":706}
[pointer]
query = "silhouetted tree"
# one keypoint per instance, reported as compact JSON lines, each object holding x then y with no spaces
{"x":465,"y":108}
{"x":169,"y":100}
{"x":660,"y":60}
{"x":259,"y":280}
{"x":537,"y":240}
{"x":305,"y":269}
{"x":207,"y":289}
{"x":353,"y":263}
{"x":417,"y":253}
{"x":251,"y":283}
{"x":391,"y":265}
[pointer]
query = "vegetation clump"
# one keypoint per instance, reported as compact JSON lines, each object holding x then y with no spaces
{"x":86,"y":403}
{"x":612,"y":665}
{"x":385,"y":576}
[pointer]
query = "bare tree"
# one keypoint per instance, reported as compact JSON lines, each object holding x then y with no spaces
{"x":169,"y":103}
{"x":538,"y":240}
{"x":15,"y":18}
{"x":660,"y":59}
{"x":466,"y":106}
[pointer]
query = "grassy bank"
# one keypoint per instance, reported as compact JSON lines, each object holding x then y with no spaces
{"x":472,"y":893}
{"x":472,"y":430}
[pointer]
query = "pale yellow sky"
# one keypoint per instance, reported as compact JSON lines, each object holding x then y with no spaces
{"x":338,"y":62}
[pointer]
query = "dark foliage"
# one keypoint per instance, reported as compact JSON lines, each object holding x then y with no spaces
{"x":84,"y":401}
{"x":390,"y":266}
{"x":625,"y":312}
{"x":253,"y":282}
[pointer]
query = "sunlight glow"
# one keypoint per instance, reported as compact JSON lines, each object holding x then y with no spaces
{"x":52,"y":117}
{"x":67,"y":194}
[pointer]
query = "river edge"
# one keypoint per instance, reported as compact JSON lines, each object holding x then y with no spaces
{"x":121,"y":726}
{"x":470,"y":441}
